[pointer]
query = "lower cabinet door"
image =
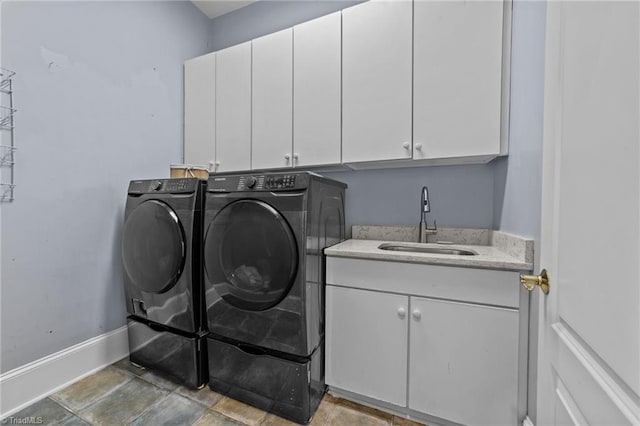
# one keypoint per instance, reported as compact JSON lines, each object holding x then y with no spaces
{"x":464,"y":362}
{"x":366,"y":343}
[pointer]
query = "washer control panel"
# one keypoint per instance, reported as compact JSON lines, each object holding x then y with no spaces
{"x":258,"y":182}
{"x":281,"y":182}
{"x":164,"y":186}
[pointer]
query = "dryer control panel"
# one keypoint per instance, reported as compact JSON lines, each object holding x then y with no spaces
{"x":164,"y":186}
{"x":259,"y":182}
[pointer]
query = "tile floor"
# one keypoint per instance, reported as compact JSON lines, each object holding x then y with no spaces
{"x":123,"y":394}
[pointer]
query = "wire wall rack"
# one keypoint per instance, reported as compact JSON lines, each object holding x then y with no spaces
{"x":7,"y":140}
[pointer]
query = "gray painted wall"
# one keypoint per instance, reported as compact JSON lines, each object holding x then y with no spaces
{"x":461,"y":196}
{"x":268,"y":16}
{"x":518,"y":178}
{"x":99,"y":94}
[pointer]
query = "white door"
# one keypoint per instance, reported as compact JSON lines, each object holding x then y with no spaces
{"x":200,"y":111}
{"x":272,"y":100}
{"x":376,"y":81}
{"x":233,"y":108}
{"x":589,"y":356}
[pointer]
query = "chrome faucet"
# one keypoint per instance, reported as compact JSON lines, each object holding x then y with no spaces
{"x":425,"y":207}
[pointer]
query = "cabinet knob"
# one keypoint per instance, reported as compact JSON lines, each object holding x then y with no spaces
{"x":418,"y":147}
{"x":406,"y":145}
{"x":416,"y":314}
{"x":287,"y":156}
{"x":295,"y":155}
{"x":402,"y":312}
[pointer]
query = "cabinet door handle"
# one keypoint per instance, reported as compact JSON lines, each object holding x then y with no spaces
{"x":402,"y":312}
{"x":295,"y":155}
{"x":212,"y":166}
{"x":418,"y":147}
{"x":406,"y":145}
{"x":416,"y":314}
{"x":287,"y":156}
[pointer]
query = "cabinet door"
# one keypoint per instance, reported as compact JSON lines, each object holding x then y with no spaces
{"x":233,"y":108}
{"x":316,"y":91}
{"x":366,"y":343}
{"x":272,"y":102}
{"x":464,"y":362}
{"x":457,"y":78}
{"x":200,"y":110}
{"x":376,"y":81}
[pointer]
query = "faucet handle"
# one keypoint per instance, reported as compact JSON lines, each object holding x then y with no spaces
{"x":424,"y":200}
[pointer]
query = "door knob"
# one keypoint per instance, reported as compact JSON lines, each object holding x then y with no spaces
{"x":401,"y":312}
{"x":406,"y":145}
{"x":416,"y":314}
{"x":531,"y":281}
{"x":287,"y":156}
{"x":418,"y":147}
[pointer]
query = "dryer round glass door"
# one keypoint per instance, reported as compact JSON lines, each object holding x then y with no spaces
{"x":250,"y":255}
{"x":153,"y":247}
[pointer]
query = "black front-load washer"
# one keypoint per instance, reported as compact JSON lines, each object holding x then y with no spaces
{"x":161,"y":255}
{"x":264,"y":286}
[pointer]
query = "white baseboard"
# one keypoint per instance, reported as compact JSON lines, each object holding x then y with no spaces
{"x":527,"y":422}
{"x":31,"y":382}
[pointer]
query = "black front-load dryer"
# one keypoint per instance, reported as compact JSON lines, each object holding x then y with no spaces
{"x":263,"y":242}
{"x":161,"y":255}
{"x":264,"y":286}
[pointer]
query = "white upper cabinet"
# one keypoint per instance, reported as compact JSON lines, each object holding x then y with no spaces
{"x":272,"y":104}
{"x":316,"y":91}
{"x":424,"y":82}
{"x":233,"y":108}
{"x":200,"y":111}
{"x":457,"y":78}
{"x":376,"y":81}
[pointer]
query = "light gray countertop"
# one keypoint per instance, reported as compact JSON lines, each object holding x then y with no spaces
{"x":504,"y":252}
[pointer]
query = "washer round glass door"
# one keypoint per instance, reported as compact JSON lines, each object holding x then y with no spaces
{"x":250,"y":255}
{"x":153,"y":247}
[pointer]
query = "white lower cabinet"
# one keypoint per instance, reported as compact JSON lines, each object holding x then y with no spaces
{"x":390,"y":344}
{"x":463,"y":362}
{"x":367,"y":351}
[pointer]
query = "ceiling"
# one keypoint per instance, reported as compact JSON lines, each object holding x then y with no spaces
{"x":214,"y":8}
